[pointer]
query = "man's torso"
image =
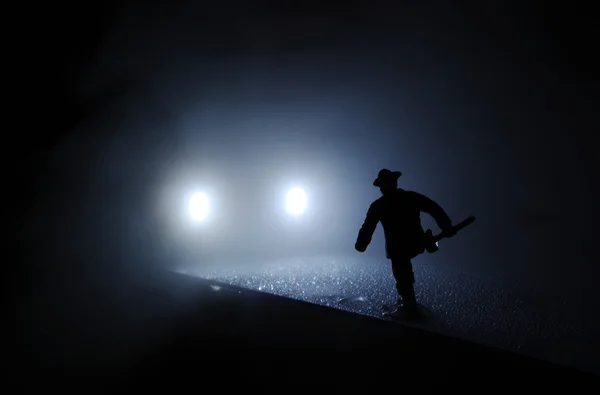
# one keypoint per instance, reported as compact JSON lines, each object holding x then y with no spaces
{"x":400,"y":217}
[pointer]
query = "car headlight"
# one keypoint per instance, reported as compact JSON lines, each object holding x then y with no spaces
{"x":199,"y":206}
{"x":296,"y":201}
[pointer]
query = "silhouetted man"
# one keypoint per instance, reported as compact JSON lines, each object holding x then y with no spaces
{"x":399,"y":212}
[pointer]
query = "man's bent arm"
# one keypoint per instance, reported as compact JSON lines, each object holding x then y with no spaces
{"x":430,"y":207}
{"x":365,"y":234}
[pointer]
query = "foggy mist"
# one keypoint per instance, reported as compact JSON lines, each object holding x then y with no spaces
{"x":246,"y":108}
{"x":467,"y":121}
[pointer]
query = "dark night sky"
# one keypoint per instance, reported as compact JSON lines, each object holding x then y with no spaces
{"x":487,"y":107}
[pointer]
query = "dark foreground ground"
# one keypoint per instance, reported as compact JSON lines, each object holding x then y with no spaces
{"x":172,"y":325}
{"x":514,"y":313}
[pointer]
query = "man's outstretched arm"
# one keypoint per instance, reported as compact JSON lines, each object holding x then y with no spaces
{"x":430,"y":207}
{"x":365,"y":234}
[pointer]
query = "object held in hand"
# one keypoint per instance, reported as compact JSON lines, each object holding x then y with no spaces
{"x":431,"y":240}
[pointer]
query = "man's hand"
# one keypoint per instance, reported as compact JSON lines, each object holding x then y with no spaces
{"x":360,"y":248}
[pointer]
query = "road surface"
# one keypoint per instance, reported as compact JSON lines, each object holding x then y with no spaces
{"x":530,"y":321}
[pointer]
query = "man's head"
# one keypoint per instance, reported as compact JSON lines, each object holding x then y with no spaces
{"x":387,"y":180}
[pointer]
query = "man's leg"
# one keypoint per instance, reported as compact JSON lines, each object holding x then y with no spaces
{"x":405,"y":280}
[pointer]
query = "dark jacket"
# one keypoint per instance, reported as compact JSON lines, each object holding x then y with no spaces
{"x":400,"y":216}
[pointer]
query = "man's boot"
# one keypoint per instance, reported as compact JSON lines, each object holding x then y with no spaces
{"x":409,"y":308}
{"x":393,"y":306}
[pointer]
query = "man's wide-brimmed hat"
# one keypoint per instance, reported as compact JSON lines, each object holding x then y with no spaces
{"x":386,"y":176}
